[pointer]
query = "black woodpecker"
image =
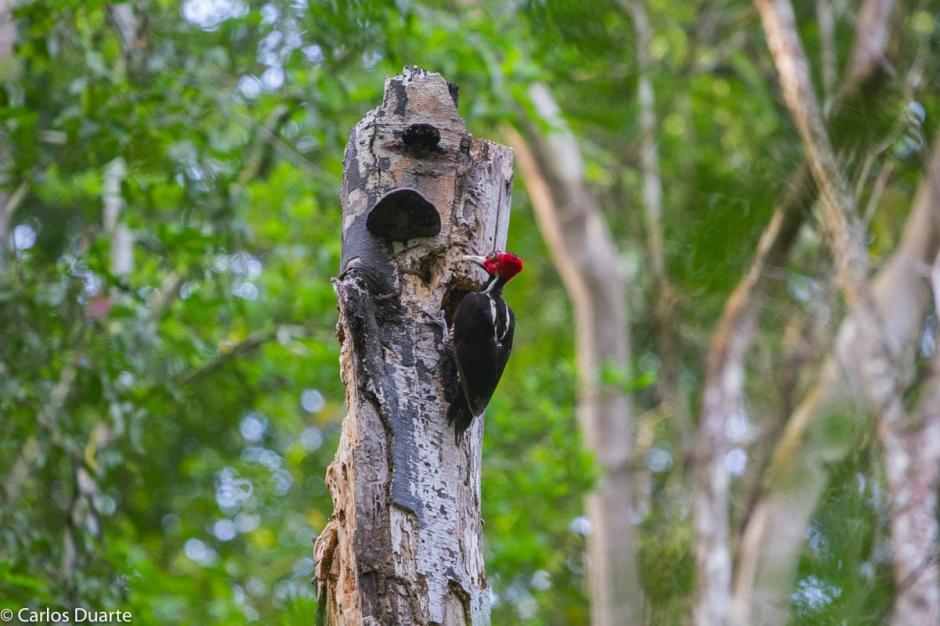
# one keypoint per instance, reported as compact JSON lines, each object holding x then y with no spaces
{"x":481,"y":337}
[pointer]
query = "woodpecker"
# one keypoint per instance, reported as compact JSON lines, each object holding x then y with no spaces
{"x":481,"y":338}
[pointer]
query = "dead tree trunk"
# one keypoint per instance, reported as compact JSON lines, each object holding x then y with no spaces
{"x":404,"y":544}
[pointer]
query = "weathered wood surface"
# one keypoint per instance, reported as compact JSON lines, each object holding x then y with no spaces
{"x":404,"y":544}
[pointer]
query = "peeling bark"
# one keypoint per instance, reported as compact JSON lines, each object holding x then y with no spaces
{"x":404,"y":543}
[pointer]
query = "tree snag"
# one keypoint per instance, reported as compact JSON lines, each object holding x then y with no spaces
{"x":404,"y":543}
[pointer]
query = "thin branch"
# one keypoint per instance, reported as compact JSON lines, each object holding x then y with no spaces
{"x":652,"y":194}
{"x":827,"y":52}
{"x":868,"y":56}
{"x":247,"y":345}
{"x":839,"y":215}
{"x":46,"y":418}
{"x":649,"y":150}
{"x":722,"y":397}
{"x":878,"y":189}
{"x":10,"y":202}
{"x":267,"y":135}
{"x":283,"y":148}
{"x":162,"y":298}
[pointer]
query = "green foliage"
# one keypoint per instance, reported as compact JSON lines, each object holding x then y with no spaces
{"x":845,"y":572}
{"x":666,"y":565}
{"x":189,"y":409}
{"x":164,"y":433}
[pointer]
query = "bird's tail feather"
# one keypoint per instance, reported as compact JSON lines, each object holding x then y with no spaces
{"x":460,"y":416}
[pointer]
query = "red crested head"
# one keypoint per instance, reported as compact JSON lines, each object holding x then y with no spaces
{"x":505,"y":265}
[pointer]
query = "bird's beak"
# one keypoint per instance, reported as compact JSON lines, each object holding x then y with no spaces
{"x":479,"y":260}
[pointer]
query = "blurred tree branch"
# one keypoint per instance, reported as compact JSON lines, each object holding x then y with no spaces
{"x":588,"y":261}
{"x":896,"y":303}
{"x":827,"y":52}
{"x":227,"y":353}
{"x":8,"y":201}
{"x":725,"y":372}
{"x":47,"y":419}
{"x":912,"y":451}
{"x":721,"y":398}
{"x":652,"y":194}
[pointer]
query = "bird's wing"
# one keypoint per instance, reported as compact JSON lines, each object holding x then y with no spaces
{"x":502,"y":354}
{"x":482,"y":380}
{"x":478,"y":362}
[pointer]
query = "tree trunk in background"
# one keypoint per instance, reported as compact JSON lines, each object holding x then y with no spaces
{"x":912,"y":463}
{"x":652,"y":194}
{"x":877,"y":331}
{"x":588,"y":261}
{"x":722,"y":393}
{"x":9,"y":199}
{"x":722,"y":397}
{"x":404,"y":543}
{"x":770,"y":546}
{"x":7,"y":29}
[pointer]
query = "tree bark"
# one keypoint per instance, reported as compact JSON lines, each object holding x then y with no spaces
{"x":404,"y":543}
{"x":912,"y":463}
{"x":587,"y":258}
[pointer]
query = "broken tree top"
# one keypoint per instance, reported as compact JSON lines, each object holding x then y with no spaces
{"x":404,"y":544}
{"x":407,"y":165}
